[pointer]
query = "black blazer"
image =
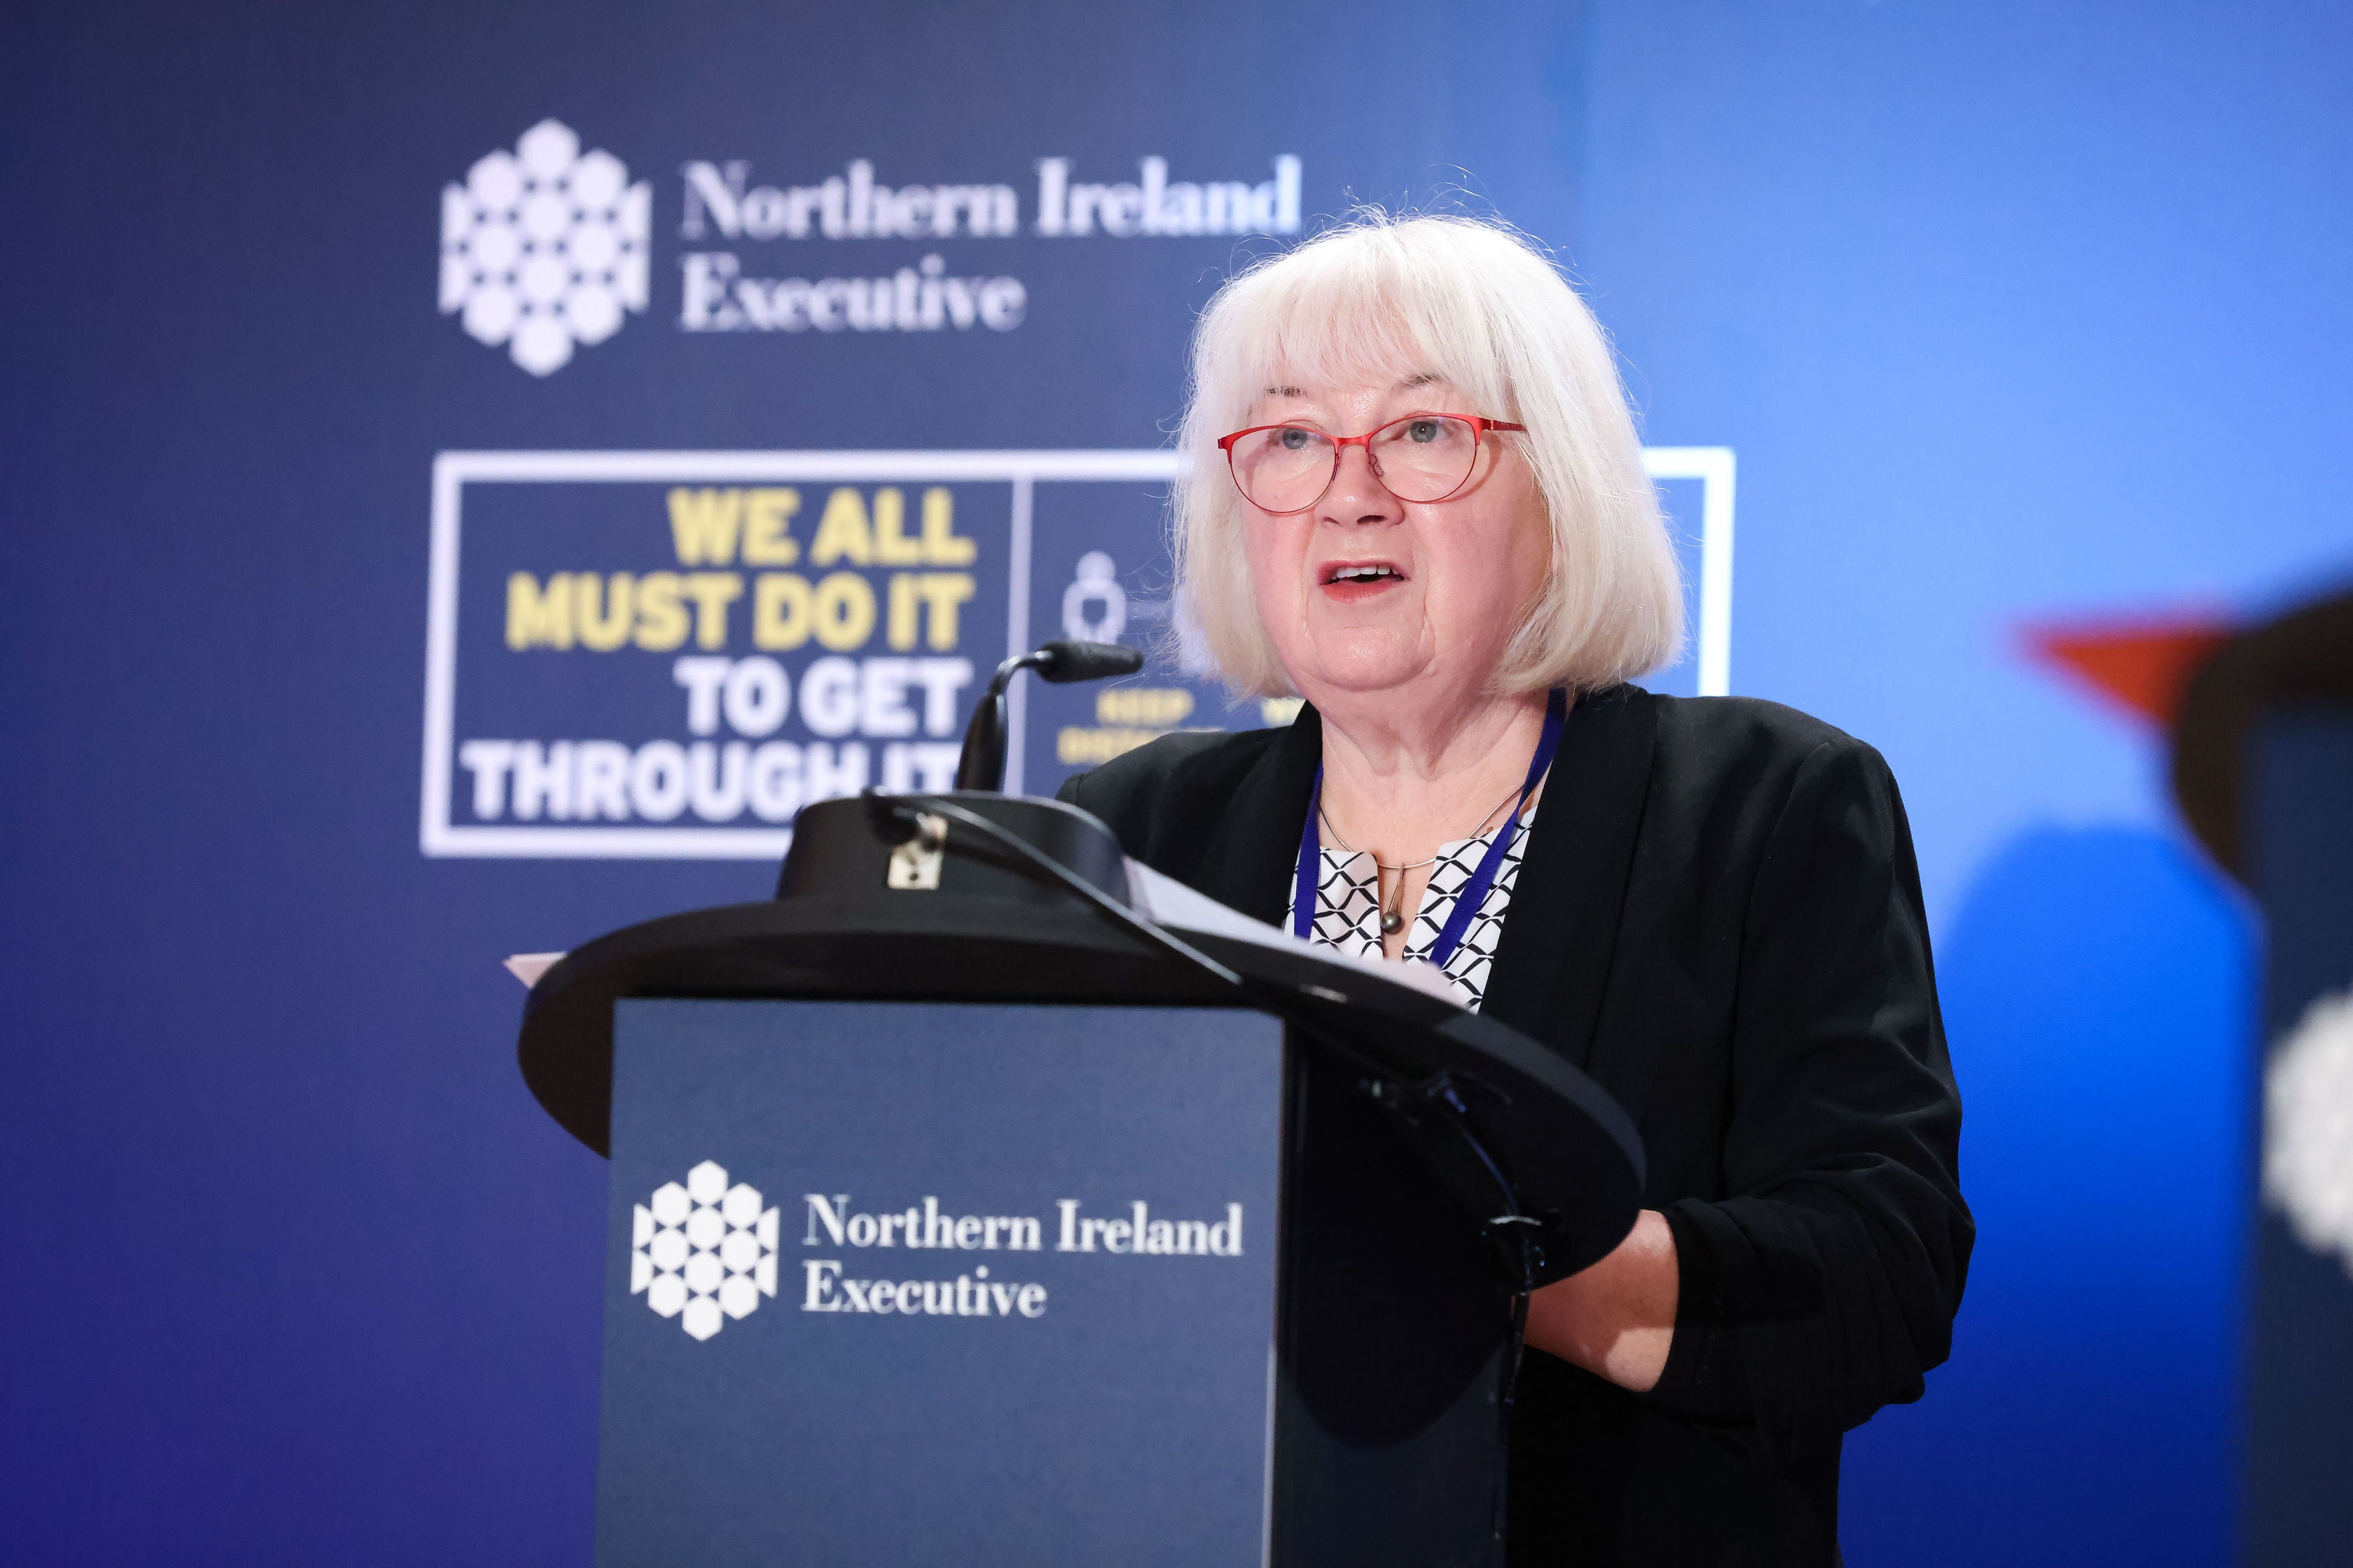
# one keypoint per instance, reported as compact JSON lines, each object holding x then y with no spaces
{"x":1719,"y":918}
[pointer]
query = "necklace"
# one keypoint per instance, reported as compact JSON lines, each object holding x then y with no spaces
{"x":1393,"y":907}
{"x":1304,"y":881}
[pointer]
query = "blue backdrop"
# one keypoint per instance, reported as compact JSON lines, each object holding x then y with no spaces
{"x":2009,"y":312}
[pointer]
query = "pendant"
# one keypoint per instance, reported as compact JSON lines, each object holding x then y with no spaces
{"x":1392,"y":922}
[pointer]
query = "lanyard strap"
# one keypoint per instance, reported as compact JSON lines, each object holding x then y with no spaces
{"x":1474,"y":892}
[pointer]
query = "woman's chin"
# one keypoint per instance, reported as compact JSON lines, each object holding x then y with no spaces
{"x":1354,"y":668}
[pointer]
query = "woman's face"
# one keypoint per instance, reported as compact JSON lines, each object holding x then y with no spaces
{"x":1365,"y":592}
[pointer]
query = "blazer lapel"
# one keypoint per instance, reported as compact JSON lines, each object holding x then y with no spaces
{"x":1552,"y":964}
{"x":1252,"y":849}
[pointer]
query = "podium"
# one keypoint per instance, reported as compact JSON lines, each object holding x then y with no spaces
{"x":986,"y":1198}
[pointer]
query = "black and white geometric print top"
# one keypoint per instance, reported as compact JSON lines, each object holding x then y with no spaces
{"x":1348,"y":906}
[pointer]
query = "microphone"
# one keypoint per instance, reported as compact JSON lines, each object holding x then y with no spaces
{"x":1065,"y":659}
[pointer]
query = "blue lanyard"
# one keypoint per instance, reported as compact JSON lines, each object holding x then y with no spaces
{"x":1474,"y":892}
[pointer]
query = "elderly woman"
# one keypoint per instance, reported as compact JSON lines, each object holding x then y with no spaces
{"x":1416,"y":500}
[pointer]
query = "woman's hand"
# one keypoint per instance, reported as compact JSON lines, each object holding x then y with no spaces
{"x":1615,"y":1318}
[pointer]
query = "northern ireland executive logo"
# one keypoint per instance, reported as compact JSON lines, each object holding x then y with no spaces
{"x":545,"y":247}
{"x":703,"y":1252}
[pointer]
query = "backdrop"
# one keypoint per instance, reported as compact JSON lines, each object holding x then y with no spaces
{"x":468,"y":476}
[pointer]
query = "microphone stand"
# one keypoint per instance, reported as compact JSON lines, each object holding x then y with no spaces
{"x":982,"y":765}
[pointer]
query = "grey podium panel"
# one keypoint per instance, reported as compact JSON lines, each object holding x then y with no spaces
{"x":1071,"y":1363}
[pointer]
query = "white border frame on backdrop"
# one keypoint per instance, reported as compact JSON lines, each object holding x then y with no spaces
{"x":452,"y":471}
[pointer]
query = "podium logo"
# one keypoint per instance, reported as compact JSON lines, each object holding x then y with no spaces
{"x":2308,"y":1128}
{"x":545,"y":247}
{"x":704,"y":1252}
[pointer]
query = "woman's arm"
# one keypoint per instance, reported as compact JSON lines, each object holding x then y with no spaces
{"x":1615,"y":1318}
{"x":1824,"y":1283}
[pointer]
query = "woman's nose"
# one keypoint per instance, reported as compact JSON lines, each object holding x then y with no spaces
{"x":1356,"y":493}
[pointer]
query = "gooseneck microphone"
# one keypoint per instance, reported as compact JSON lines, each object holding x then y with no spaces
{"x":982,"y":766}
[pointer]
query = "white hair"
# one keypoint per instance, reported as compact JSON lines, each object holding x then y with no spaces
{"x":1382,"y":297}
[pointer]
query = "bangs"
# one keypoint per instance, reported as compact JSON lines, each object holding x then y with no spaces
{"x":1366,"y":314}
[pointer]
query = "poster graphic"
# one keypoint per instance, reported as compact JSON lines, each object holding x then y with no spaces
{"x":666,"y":655}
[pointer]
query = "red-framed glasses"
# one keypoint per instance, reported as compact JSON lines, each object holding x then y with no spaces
{"x":1422,"y":457}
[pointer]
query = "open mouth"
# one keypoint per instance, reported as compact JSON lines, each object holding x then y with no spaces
{"x":1369,"y":571}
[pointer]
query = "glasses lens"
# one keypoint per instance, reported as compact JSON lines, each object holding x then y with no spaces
{"x":1283,"y":468}
{"x":1426,"y":456}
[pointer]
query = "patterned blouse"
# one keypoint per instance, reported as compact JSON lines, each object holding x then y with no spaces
{"x":1348,"y":906}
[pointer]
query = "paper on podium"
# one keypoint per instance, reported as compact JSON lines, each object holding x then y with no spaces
{"x":528,"y":967}
{"x":1169,"y":902}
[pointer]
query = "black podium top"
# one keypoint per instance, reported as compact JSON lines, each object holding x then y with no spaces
{"x":1509,"y":1116}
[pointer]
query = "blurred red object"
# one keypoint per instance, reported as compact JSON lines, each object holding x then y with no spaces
{"x":2143,"y":666}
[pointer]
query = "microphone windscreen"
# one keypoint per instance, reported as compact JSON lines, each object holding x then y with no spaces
{"x":1075,"y":660}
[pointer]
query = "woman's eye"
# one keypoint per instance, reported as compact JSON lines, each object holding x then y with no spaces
{"x":1422,"y":430}
{"x":1291,"y":439}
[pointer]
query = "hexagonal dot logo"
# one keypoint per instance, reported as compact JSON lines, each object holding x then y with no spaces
{"x":544,"y":247}
{"x":703,"y":1251}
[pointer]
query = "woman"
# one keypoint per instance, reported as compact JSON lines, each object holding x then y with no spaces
{"x":1416,"y":500}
